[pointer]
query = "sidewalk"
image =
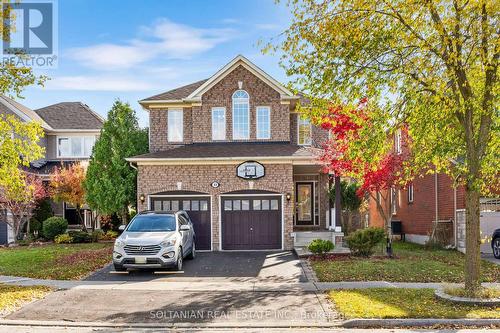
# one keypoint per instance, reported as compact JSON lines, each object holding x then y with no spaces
{"x":219,"y":285}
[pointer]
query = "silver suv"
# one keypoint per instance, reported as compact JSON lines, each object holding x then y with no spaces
{"x":155,"y":240}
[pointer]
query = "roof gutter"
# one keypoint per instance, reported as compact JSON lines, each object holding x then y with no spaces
{"x":218,"y":159}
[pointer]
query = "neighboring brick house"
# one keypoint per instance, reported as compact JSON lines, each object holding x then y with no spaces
{"x":233,"y":152}
{"x":70,"y":129}
{"x":429,"y":203}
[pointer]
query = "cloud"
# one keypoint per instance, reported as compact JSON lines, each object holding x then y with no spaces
{"x":98,"y":83}
{"x":164,"y":39}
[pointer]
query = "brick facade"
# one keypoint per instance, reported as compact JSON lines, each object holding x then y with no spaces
{"x":157,"y":178}
{"x":417,"y":217}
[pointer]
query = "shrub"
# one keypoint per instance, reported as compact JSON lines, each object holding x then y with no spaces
{"x":54,"y":226}
{"x":362,"y":242}
{"x":63,"y":239}
{"x":97,"y":235}
{"x":80,"y":236}
{"x":109,"y":235}
{"x":320,"y":246}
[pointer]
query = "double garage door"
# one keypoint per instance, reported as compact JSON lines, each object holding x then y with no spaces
{"x":251,"y":223}
{"x":198,"y":209}
{"x":247,"y":222}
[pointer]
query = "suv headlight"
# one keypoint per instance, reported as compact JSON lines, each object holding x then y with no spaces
{"x":119,"y":243}
{"x":169,"y":242}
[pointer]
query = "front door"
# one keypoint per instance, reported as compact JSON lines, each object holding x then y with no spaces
{"x":304,"y":205}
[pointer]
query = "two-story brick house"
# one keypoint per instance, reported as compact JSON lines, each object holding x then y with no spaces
{"x":70,"y":131}
{"x":233,"y":152}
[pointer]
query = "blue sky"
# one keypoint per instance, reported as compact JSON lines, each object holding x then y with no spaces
{"x":134,"y":49}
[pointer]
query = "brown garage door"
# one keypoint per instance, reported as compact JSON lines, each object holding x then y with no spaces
{"x":251,"y":223}
{"x":198,"y":209}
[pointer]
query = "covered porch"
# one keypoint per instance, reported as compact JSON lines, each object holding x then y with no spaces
{"x":312,"y":218}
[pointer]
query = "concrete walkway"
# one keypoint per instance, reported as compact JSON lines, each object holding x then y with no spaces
{"x":218,"y":284}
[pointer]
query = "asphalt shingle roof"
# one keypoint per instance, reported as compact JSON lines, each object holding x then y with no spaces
{"x":177,"y":93}
{"x":70,"y":115}
{"x":234,"y":150}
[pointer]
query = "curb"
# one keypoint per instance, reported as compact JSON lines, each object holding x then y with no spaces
{"x":48,"y":323}
{"x":431,"y":322}
{"x":440,"y":294}
{"x":353,"y":323}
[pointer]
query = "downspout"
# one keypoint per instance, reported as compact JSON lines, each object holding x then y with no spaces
{"x":455,"y":216}
{"x":436,"y":196}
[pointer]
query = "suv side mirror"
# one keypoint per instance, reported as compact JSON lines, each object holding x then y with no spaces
{"x":121,"y":227}
{"x":185,"y":227}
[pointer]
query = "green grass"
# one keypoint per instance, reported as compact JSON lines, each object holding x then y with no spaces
{"x":55,"y":261}
{"x":403,"y":303}
{"x":13,"y":297}
{"x":413,"y":263}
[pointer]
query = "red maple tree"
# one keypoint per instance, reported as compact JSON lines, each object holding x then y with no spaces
{"x":21,"y":200}
{"x":344,"y":155}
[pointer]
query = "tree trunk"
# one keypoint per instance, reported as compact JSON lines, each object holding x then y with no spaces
{"x":124,"y":216}
{"x":80,"y":218}
{"x":472,"y":241}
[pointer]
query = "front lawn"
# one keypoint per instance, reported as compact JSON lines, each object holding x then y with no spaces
{"x":412,"y":263}
{"x":55,"y":261}
{"x":403,"y":303}
{"x":13,"y":297}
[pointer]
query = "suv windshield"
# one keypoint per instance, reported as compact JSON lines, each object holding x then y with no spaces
{"x":152,"y":223}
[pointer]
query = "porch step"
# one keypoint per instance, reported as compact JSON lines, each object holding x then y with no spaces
{"x":302,"y":251}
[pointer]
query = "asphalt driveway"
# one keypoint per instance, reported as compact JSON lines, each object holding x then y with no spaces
{"x":283,"y":266}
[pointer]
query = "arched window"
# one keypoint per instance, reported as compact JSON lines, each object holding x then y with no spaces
{"x":241,"y":116}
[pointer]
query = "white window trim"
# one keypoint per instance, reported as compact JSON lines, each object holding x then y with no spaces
{"x":58,"y":153}
{"x":411,"y":193}
{"x":257,"y":122}
{"x":248,"y":115}
{"x":298,"y":132}
{"x":215,"y":108}
{"x":397,"y":138}
{"x":182,"y":125}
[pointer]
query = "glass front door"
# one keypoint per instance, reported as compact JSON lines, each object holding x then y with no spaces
{"x":304,"y":204}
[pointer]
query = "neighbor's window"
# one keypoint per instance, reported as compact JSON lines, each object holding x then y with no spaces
{"x":410,"y":193}
{"x":397,"y":142}
{"x":304,"y":129}
{"x":218,"y":123}
{"x":263,"y":122}
{"x":241,"y":120}
{"x":175,"y":125}
{"x":75,"y":146}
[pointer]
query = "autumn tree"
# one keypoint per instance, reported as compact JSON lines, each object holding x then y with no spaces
{"x":432,"y":65}
{"x":66,"y":185}
{"x":20,"y":199}
{"x":111,"y":181}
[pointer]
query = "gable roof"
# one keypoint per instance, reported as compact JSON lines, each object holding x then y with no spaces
{"x":8,"y":105}
{"x":193,"y":92}
{"x":71,"y":116}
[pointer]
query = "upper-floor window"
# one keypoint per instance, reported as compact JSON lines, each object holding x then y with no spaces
{"x":75,"y":146}
{"x":175,"y":125}
{"x":241,"y":118}
{"x":410,"y":193}
{"x":218,"y":123}
{"x":263,"y":122}
{"x":397,"y":142}
{"x":304,"y":131}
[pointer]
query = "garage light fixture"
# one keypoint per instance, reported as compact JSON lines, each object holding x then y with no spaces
{"x":288,"y":197}
{"x":142,"y":198}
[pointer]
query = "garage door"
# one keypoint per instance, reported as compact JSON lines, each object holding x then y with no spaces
{"x":198,"y":209}
{"x":251,"y":223}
